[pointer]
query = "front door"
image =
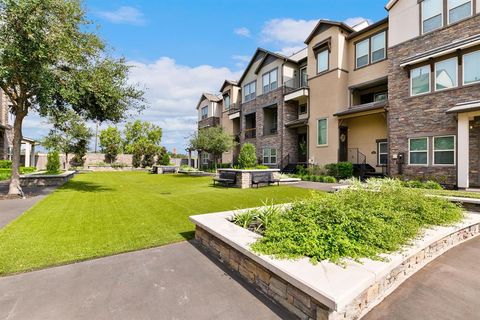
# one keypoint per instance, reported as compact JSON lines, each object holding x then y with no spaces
{"x":302,"y":148}
{"x":343,"y":149}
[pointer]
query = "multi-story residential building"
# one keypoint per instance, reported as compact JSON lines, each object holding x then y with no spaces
{"x":398,"y":97}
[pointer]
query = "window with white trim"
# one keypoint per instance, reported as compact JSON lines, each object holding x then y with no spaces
{"x":446,"y":74}
{"x":226,"y":102}
{"x":420,"y":80}
{"x":270,"y":81}
{"x":322,"y":132}
{"x":362,"y":53}
{"x":459,"y":10}
{"x":205,"y":158}
{"x":379,"y":44}
{"x":269,"y":156}
{"x":418,"y":151}
{"x":249,"y":91}
{"x":204,"y":112}
{"x":382,"y":153}
{"x":444,"y":150}
{"x":471,"y":67}
{"x":432,"y":15}
{"x":322,"y":61}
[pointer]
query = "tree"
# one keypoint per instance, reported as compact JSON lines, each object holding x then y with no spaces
{"x":70,"y":134}
{"x":53,"y":162}
{"x":248,"y":156}
{"x":165,"y":160}
{"x":141,"y":133}
{"x":50,"y":62}
{"x":110,"y":143}
{"x":212,"y":140}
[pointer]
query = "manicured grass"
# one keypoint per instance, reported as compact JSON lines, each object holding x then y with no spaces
{"x":100,"y":214}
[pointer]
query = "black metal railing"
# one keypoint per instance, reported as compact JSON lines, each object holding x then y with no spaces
{"x":359,"y":161}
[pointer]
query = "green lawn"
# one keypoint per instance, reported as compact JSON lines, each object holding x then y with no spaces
{"x":100,"y":214}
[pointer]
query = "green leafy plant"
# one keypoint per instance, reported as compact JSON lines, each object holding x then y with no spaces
{"x":5,"y":164}
{"x":341,"y":170}
{"x":165,"y":161}
{"x":27,"y":170}
{"x":248,"y":156}
{"x":53,"y":162}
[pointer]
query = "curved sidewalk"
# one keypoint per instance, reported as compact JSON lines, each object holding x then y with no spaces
{"x":447,"y":288}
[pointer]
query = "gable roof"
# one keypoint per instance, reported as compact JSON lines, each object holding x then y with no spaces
{"x":210,"y":97}
{"x":228,"y":83}
{"x":327,"y":23}
{"x":390,"y":4}
{"x":267,"y":53}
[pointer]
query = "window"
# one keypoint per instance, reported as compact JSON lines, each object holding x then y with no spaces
{"x":418,"y":151}
{"x":420,"y":80}
{"x":361,"y":53}
{"x":205,"y":158}
{"x":322,"y":132}
{"x":446,"y":74}
{"x":432,"y":15}
{"x":249,"y":91}
{"x":204,"y":112}
{"x":382,"y":153}
{"x":269,"y":156}
{"x":459,"y":9}
{"x":270,"y":81}
{"x":444,"y":150}
{"x":226,"y":102}
{"x":322,"y":61}
{"x":378,"y":47}
{"x":302,"y":109}
{"x":381,"y":96}
{"x":471,"y":68}
{"x":303,"y":77}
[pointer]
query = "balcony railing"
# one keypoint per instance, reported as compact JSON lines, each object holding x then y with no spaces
{"x":296,"y":83}
{"x":234,"y":108}
{"x":251,"y":133}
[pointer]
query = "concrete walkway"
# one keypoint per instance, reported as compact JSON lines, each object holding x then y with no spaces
{"x":12,"y":208}
{"x":173,"y":282}
{"x":447,"y":288}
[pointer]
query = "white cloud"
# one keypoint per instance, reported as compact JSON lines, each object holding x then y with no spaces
{"x":243,"y":32}
{"x":288,"y":51}
{"x":287,"y":31}
{"x":356,"y":20}
{"x":124,"y":15}
{"x":241,"y":61}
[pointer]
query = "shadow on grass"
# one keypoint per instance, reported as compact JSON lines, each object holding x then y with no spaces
{"x":83,"y":186}
{"x":188,"y":235}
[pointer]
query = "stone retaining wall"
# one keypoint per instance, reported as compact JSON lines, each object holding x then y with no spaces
{"x":37,"y":180}
{"x":304,"y":305}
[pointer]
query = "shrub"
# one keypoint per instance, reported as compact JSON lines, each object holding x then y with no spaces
{"x":224,"y":165}
{"x":317,"y":170}
{"x":329,"y":179}
{"x":26,"y":170}
{"x":5,"y":164}
{"x":248,"y":156}
{"x":165,"y":161}
{"x":136,"y":159}
{"x":261,"y":167}
{"x":432,"y":185}
{"x":53,"y":162}
{"x":361,"y":222}
{"x":341,"y":170}
{"x":301,"y":170}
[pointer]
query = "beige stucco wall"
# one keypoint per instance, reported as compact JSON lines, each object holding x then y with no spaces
{"x":363,"y":133}
{"x":404,"y":22}
{"x":333,"y":33}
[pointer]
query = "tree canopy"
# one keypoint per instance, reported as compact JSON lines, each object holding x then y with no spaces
{"x":213,"y":140}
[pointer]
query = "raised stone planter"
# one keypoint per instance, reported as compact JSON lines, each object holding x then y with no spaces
{"x":165,"y":169}
{"x":110,"y":168}
{"x":45,"y":180}
{"x":325,"y":290}
{"x":244,"y":177}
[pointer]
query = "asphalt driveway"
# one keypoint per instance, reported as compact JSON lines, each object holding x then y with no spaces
{"x":172,"y":282}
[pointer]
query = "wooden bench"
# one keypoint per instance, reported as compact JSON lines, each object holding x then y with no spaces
{"x":226,"y":178}
{"x":263,"y":177}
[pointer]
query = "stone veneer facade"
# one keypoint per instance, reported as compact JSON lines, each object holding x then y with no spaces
{"x":285,"y":140}
{"x":424,"y":116}
{"x":306,"y":307}
{"x":209,"y":122}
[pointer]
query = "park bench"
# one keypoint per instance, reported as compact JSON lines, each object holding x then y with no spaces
{"x":263,"y":177}
{"x":226,"y":178}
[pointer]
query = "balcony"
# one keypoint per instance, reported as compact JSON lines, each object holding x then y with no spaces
{"x":296,"y":89}
{"x":209,"y":122}
{"x":234,"y":111}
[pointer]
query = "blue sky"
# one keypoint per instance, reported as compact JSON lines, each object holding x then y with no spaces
{"x":181,"y":48}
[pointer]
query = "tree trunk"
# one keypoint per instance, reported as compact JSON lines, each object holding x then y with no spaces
{"x":66,"y":161}
{"x":15,"y":188}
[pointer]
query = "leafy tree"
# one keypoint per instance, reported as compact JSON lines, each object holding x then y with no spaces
{"x":248,"y":156}
{"x":110,"y":143}
{"x":50,"y":62}
{"x":165,"y":160}
{"x":149,"y":152}
{"x":212,"y":140}
{"x":70,"y":134}
{"x":141,"y":133}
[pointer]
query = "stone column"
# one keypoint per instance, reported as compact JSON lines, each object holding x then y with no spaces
{"x":463,"y":151}
{"x":27,"y":154}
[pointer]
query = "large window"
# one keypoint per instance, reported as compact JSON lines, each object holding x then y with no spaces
{"x":459,"y":9}
{"x":379,"y":44}
{"x":446,"y":74}
{"x":420,"y":80}
{"x":471,"y":68}
{"x":322,"y":61}
{"x":382,"y":153}
{"x":204,"y":112}
{"x":322,"y":132}
{"x":205,"y":158}
{"x":418,"y":151}
{"x":249,"y":91}
{"x":362,"y":53}
{"x":269,"y":156}
{"x":432,"y":15}
{"x":270,"y":81}
{"x":226,"y":102}
{"x":444,"y":150}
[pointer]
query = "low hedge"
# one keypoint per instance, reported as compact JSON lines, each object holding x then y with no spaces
{"x":5,"y":164}
{"x":315,"y":178}
{"x":341,"y":170}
